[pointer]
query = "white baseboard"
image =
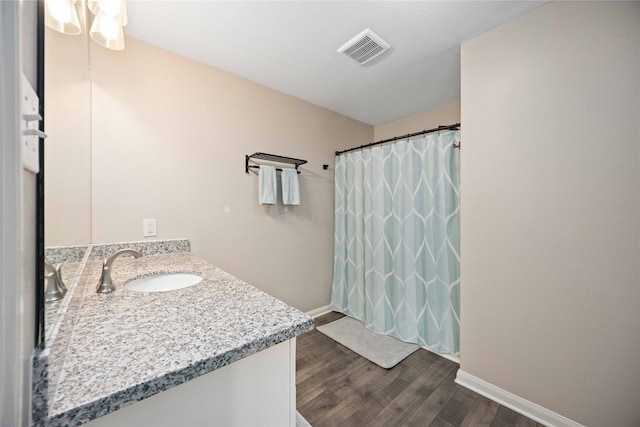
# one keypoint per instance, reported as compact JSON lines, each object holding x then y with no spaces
{"x":451,"y":357}
{"x":514,"y":402}
{"x":319,"y":311}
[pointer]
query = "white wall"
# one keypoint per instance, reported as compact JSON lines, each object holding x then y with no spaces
{"x":550,"y":178}
{"x":168,"y":140}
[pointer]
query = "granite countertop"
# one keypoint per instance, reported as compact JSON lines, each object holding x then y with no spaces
{"x":129,"y":345}
{"x":52,"y":309}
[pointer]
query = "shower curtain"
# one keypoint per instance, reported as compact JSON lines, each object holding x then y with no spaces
{"x":397,"y":240}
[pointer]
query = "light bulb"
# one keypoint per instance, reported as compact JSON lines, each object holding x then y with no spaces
{"x":60,"y":10}
{"x":106,"y":31}
{"x":109,"y":28}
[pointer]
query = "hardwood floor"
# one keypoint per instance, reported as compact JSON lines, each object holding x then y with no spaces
{"x":337,"y":387}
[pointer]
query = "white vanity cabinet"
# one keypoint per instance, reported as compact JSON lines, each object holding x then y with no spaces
{"x":258,"y":390}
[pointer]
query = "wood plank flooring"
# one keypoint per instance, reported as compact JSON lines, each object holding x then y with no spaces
{"x":337,"y":387}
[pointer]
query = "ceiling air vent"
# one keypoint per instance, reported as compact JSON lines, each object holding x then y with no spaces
{"x":364,"y":47}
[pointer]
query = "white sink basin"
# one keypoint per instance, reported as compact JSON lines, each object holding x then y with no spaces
{"x":163,"y":282}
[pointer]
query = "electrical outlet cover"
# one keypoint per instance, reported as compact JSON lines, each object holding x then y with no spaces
{"x":149,"y":228}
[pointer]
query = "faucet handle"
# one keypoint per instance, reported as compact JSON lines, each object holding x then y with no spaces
{"x":55,"y":288}
{"x":57,"y":268}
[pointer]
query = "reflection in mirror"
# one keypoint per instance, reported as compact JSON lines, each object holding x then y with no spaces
{"x":53,"y":284}
{"x":66,"y":262}
{"x":67,"y":159}
{"x":68,"y":147}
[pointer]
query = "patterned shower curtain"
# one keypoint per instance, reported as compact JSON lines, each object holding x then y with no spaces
{"x":397,"y":240}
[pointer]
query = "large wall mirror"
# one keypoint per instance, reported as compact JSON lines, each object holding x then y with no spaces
{"x":67,"y":160}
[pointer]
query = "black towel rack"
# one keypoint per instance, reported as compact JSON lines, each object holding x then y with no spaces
{"x":271,"y":158}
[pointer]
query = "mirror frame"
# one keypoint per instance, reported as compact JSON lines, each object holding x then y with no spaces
{"x":39,"y":335}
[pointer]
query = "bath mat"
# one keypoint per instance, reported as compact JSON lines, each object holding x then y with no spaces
{"x":301,"y":421}
{"x":383,"y":350}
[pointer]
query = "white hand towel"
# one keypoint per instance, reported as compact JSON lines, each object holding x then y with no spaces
{"x":290,"y":187}
{"x":267,"y":185}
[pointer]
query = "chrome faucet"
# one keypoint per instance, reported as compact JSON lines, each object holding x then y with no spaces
{"x":55,"y":289}
{"x":106,"y":286}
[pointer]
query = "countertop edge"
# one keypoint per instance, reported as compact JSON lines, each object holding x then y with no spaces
{"x":107,"y":404}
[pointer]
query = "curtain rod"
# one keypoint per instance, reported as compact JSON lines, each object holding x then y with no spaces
{"x":454,"y":126}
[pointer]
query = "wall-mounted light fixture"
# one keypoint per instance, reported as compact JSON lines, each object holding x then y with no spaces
{"x":110,"y":16}
{"x":62,"y":16}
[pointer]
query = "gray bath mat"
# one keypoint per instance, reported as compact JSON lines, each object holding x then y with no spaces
{"x":382,"y":350}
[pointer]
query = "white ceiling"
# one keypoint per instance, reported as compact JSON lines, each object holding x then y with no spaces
{"x":291,"y":46}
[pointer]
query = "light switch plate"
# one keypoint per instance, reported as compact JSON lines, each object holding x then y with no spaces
{"x":29,"y":107}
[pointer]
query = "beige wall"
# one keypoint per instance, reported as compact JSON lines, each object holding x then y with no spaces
{"x":445,"y":115}
{"x":168,"y":140}
{"x":550,"y":225}
{"x":68,"y":147}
